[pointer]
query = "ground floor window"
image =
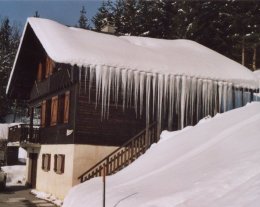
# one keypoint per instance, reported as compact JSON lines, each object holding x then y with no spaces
{"x":46,"y":162}
{"x":59,"y":163}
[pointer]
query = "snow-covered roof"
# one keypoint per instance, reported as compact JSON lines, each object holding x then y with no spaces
{"x":215,"y":163}
{"x":182,"y":57}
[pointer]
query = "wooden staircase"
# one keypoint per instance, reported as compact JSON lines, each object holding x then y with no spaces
{"x":124,"y":155}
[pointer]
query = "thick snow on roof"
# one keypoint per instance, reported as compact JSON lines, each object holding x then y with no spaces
{"x":215,"y":163}
{"x":82,"y":47}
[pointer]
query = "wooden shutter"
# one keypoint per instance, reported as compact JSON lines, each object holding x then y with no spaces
{"x":43,"y":114}
{"x":39,"y":73}
{"x":49,"y":67}
{"x":43,"y":158}
{"x":55,"y":163}
{"x":66,"y":107}
{"x":48,"y":167}
{"x":54,"y":110}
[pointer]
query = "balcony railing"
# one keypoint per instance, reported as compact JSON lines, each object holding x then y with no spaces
{"x":24,"y":133}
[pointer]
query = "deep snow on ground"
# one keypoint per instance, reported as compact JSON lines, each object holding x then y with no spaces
{"x":15,"y":175}
{"x":215,"y":163}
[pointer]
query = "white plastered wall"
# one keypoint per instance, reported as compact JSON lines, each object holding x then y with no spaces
{"x":78,"y":159}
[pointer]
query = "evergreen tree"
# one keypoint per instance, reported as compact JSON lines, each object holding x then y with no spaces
{"x":9,"y":38}
{"x":83,"y":20}
{"x":230,"y":27}
{"x":104,"y":15}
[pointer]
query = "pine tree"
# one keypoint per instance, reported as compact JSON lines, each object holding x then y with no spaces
{"x":104,"y":15}
{"x":83,"y":20}
{"x":9,"y":39}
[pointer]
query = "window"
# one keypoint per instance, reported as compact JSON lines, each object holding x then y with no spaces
{"x":54,"y":110}
{"x":59,"y":163}
{"x":46,"y":162}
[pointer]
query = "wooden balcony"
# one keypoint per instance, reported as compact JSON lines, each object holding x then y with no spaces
{"x":23,"y":133}
{"x":57,"y":81}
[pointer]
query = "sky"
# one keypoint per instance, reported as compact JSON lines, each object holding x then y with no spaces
{"x":64,"y":11}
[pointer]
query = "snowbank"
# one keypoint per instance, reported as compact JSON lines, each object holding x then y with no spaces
{"x":15,"y":175}
{"x":47,"y":197}
{"x":215,"y":163}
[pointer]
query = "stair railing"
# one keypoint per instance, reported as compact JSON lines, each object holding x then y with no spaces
{"x":124,"y":155}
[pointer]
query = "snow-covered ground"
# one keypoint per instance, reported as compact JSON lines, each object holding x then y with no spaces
{"x":215,"y":163}
{"x":47,"y":197}
{"x":15,"y":175}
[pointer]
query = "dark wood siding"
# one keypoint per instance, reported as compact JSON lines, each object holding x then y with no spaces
{"x":114,"y":131}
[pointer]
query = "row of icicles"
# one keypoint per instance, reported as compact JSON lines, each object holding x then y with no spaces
{"x":174,"y":98}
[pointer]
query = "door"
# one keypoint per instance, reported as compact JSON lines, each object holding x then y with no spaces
{"x":33,"y":171}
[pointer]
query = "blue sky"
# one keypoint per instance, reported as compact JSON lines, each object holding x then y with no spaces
{"x":64,"y":11}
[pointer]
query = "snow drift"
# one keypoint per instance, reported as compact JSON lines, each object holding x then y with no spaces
{"x":215,"y":163}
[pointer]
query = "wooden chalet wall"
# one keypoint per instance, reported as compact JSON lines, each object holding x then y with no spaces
{"x":114,"y":131}
{"x":59,"y":83}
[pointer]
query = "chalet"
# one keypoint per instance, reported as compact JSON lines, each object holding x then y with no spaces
{"x":89,"y":93}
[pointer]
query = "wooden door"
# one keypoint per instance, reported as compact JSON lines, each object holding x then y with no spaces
{"x":33,"y":158}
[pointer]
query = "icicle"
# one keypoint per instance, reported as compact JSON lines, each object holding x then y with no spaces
{"x":183,"y":99}
{"x":124,"y":84}
{"x":193,"y":97}
{"x":159,"y":102}
{"x":148,"y":95}
{"x":215,"y":99}
{"x":199,"y":99}
{"x":171,"y":102}
{"x":204,"y":98}
{"x":154,"y":92}
{"x":210,"y":97}
{"x":98,"y":83}
{"x":178,"y":94}
{"x":220,"y":96}
{"x":187,"y":99}
{"x":224,"y":99}
{"x":91,"y":77}
{"x":79,"y":79}
{"x":85,"y":78}
{"x":104,"y":91}
{"x":111,"y":75}
{"x":117,"y":85}
{"x":136,"y":90}
{"x":142,"y":89}
{"x":130,"y":79}
{"x":165,"y":94}
{"x":230,"y":97}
